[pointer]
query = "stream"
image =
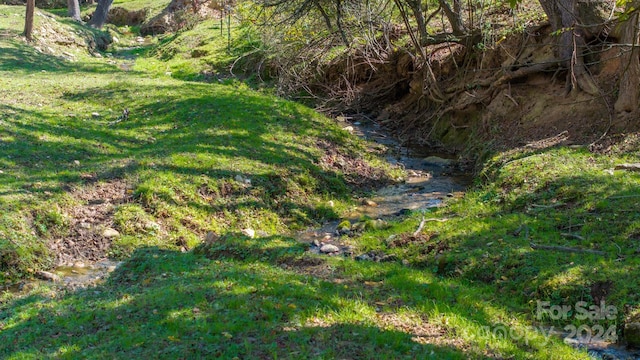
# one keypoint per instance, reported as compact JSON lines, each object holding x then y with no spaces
{"x":431,"y":179}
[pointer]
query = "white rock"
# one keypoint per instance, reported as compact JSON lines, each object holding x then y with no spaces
{"x":110,"y":233}
{"x":45,"y":275}
{"x":348,"y":128}
{"x":249,"y":232}
{"x":329,"y":248}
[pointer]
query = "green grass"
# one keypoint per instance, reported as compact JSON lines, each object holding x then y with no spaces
{"x":452,"y":294}
{"x":181,"y":151}
{"x":559,"y":197}
{"x":252,"y":299}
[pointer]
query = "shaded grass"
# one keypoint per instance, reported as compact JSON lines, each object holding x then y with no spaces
{"x":251,"y":303}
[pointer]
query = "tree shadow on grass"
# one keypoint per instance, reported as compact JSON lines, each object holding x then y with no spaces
{"x":174,"y":305}
{"x":23,"y":58}
{"x":192,"y":129}
{"x":254,"y":298}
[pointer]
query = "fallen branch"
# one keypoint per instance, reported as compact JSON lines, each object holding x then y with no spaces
{"x":565,"y":249}
{"x":630,"y":167}
{"x":624,"y":197}
{"x":573,"y":236}
{"x":424,"y":221}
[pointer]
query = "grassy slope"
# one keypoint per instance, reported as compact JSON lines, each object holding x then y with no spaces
{"x":256,"y":298}
{"x":181,"y":150}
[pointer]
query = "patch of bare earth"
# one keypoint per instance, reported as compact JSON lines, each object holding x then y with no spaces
{"x":310,"y":265}
{"x":356,"y":170}
{"x":87,"y":239}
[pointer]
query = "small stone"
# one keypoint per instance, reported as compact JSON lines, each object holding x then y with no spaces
{"x":84,"y":225}
{"x":348,"y":251}
{"x":97,"y":55}
{"x":110,"y":233}
{"x":79,"y":265}
{"x":363,"y":257}
{"x":76,"y":162}
{"x":359,"y":226}
{"x":329,"y":249}
{"x":239,"y":178}
{"x":48,"y":276}
{"x":95,"y":114}
{"x":388,"y":258}
{"x":115,"y":40}
{"x":111,"y":268}
{"x":348,"y":128}
{"x":330,"y":203}
{"x":211,"y":238}
{"x":368,"y":202}
{"x":249,"y":232}
{"x":378,"y":224}
{"x":315,"y":243}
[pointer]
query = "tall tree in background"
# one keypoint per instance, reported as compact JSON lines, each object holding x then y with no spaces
{"x":99,"y":17}
{"x":28,"y":23}
{"x":73,"y":9}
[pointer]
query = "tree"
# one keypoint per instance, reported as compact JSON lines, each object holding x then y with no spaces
{"x":28,"y":23}
{"x":575,"y":21}
{"x":630,"y":78}
{"x":73,"y":9}
{"x":99,"y":17}
{"x":454,"y":15}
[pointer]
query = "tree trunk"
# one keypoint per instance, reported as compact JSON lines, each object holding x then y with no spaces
{"x":574,"y":20}
{"x":418,"y":14}
{"x":325,"y":16}
{"x":99,"y":17}
{"x":73,"y":7}
{"x":454,"y":16}
{"x":630,"y":62}
{"x":28,"y":22}
{"x":343,"y":35}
